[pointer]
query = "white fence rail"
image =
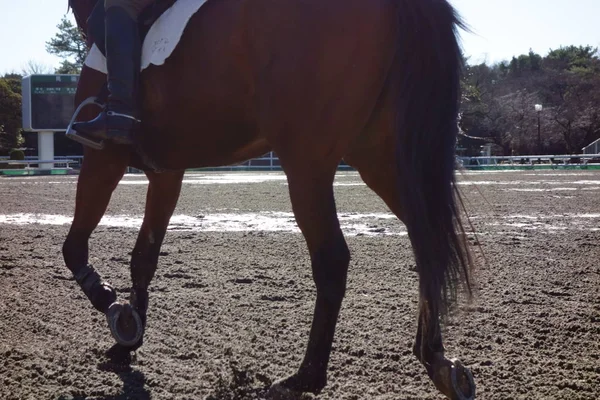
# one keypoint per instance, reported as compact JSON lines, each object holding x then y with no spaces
{"x":34,"y":162}
{"x":62,"y":163}
{"x":560,"y":159}
{"x":270,"y":161}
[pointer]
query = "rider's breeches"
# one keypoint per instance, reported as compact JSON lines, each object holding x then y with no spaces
{"x":133,"y":7}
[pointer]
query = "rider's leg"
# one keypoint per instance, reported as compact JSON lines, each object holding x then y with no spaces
{"x":123,"y":45}
{"x":133,"y":7}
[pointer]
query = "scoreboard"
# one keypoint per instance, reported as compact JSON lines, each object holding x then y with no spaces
{"x":48,"y":102}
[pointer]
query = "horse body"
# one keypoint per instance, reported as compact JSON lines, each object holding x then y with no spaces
{"x":373,"y":82}
{"x":259,"y":65}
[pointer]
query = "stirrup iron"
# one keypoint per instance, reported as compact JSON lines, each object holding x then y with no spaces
{"x":76,"y":136}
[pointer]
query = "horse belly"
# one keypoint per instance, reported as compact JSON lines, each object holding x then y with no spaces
{"x":200,"y":139}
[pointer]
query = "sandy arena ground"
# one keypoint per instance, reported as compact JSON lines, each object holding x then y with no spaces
{"x":232,"y":299}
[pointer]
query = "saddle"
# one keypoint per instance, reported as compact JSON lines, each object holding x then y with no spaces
{"x":148,"y":16}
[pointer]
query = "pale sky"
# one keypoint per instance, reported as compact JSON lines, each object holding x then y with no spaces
{"x":502,"y":28}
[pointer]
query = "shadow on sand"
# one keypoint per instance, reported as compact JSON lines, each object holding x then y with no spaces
{"x":118,"y":361}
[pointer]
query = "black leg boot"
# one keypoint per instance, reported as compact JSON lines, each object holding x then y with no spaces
{"x":117,"y":121}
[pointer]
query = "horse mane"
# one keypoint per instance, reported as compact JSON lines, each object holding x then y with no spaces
{"x":82,"y":9}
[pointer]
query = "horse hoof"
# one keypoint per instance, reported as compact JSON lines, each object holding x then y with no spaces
{"x":458,"y":367}
{"x":125,"y":324}
{"x":278,"y":391}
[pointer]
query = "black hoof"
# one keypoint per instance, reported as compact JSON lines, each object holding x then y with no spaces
{"x":296,"y":385}
{"x":125,"y":325}
{"x":277,"y":391}
{"x":458,"y":367}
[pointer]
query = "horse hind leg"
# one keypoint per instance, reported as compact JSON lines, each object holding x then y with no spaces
{"x":380,"y":168}
{"x":128,"y":321}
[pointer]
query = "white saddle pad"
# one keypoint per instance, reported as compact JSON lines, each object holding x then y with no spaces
{"x":162,"y":38}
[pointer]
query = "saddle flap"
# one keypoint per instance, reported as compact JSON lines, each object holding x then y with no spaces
{"x":160,"y":37}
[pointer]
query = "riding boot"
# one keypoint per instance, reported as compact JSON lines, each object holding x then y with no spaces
{"x":120,"y":116}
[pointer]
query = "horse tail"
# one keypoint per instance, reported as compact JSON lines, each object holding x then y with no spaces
{"x":428,"y":67}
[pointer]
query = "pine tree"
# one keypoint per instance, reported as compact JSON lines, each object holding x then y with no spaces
{"x":69,"y":45}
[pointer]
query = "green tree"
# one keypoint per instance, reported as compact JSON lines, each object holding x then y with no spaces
{"x":513,"y":67}
{"x":535,"y":61}
{"x":10,"y":113}
{"x":69,"y":45}
{"x":13,"y":80}
{"x":68,"y":67}
{"x":572,"y":58}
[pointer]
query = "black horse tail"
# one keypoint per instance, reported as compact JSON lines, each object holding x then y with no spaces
{"x":429,"y":63}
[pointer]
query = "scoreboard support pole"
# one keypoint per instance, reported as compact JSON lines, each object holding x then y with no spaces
{"x":46,"y":148}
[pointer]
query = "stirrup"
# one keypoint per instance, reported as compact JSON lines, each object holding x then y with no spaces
{"x":76,"y":136}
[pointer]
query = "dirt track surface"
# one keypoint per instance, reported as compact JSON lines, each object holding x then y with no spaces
{"x":230,"y":310}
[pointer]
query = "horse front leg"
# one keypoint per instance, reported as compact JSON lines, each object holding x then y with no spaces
{"x":161,"y":199}
{"x":313,"y":203}
{"x":100,"y":174}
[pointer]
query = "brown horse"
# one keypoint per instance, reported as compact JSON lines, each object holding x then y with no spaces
{"x":372,"y":82}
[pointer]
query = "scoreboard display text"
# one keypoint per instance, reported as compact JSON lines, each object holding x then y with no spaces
{"x":48,"y":102}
